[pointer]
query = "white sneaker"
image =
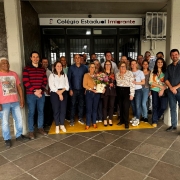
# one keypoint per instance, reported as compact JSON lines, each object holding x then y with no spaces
{"x":100,"y":120}
{"x":62,"y":127}
{"x":135,"y":123}
{"x":97,"y":121}
{"x":133,"y":119}
{"x":57,"y":130}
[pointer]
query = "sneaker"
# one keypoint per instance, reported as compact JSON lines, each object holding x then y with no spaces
{"x":142,"y":119}
{"x":72,"y":123}
{"x":62,"y":127}
{"x":154,"y":125}
{"x":135,"y":122}
{"x":57,"y":129}
{"x":8,"y":143}
{"x":21,"y":138}
{"x":97,"y":121}
{"x":132,"y":120}
{"x":41,"y":131}
{"x":171,"y":128}
{"x":81,"y":121}
{"x":100,"y":121}
{"x":146,"y":120}
{"x":31,"y":136}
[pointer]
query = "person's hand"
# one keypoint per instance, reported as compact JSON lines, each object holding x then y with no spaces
{"x":104,"y":90}
{"x":149,"y":93}
{"x":94,"y":90}
{"x":38,"y":93}
{"x":61,"y":97}
{"x":131,"y":97}
{"x":134,"y":82}
{"x":173,"y":90}
{"x":21,"y":103}
{"x":46,"y":91}
{"x":161,"y":92}
{"x":71,"y":92}
{"x":163,"y":87}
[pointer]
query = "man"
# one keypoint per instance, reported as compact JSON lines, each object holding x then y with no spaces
{"x":48,"y":114}
{"x":124,"y":59}
{"x":35,"y":81}
{"x":75,"y":76}
{"x":10,"y":88}
{"x":108,"y":56}
{"x":147,"y":56}
{"x":140,"y":60}
{"x":172,"y":80}
{"x":93,"y":57}
{"x":160,"y":55}
{"x":64,"y":63}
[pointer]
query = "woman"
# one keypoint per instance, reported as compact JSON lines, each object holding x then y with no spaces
{"x":158,"y":87}
{"x":145,"y":90}
{"x":125,"y":92}
{"x":98,"y":70}
{"x":59,"y":86}
{"x":139,"y":80}
{"x":92,"y":97}
{"x":109,"y":95}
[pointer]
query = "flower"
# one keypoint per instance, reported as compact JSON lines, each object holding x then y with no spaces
{"x":101,"y":78}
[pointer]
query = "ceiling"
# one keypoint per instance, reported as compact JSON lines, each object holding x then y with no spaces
{"x":98,"y":6}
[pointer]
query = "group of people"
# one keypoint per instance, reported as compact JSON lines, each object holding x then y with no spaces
{"x":132,"y":83}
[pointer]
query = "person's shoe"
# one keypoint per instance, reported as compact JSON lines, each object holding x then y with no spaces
{"x":149,"y":111}
{"x":81,"y":121}
{"x":100,"y":121}
{"x":146,"y":120}
{"x":135,"y":123}
{"x":71,"y":123}
{"x":41,"y":131}
{"x":62,"y":127}
{"x":171,"y":128}
{"x":154,"y":125}
{"x":67,"y":120}
{"x":105,"y":123}
{"x":87,"y":127}
{"x":31,"y":136}
{"x":126,"y":126}
{"x":8,"y":143}
{"x":95,"y":126}
{"x":142,"y":119}
{"x":22,"y":138}
{"x":57,"y":129}
{"x":97,"y":121}
{"x":110,"y":122}
{"x":132,"y":120}
{"x":120,"y":123}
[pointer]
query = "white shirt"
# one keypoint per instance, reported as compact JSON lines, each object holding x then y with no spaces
{"x":48,"y":72}
{"x":56,"y":82}
{"x":114,"y":67}
{"x":138,"y":77}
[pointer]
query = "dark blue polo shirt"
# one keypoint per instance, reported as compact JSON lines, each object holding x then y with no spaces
{"x":75,"y":76}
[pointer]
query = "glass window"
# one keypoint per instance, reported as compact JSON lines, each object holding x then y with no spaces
{"x":78,"y":31}
{"x":54,"y":31}
{"x":128,"y":31}
{"x":105,"y":31}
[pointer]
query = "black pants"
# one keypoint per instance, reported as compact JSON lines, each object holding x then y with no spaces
{"x":124,"y":103}
{"x":59,"y":107}
{"x":108,"y":106}
{"x":48,"y":113}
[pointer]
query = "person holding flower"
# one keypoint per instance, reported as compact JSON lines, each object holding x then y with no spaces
{"x":92,"y":97}
{"x":109,"y":94}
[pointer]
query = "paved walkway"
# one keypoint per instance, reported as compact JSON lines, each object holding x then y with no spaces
{"x":144,"y":154}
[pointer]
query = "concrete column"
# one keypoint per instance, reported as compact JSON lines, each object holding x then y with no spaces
{"x":15,"y":46}
{"x":172,"y":38}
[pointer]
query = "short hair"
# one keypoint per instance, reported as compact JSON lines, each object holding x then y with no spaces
{"x":3,"y":58}
{"x":122,"y":62}
{"x":107,"y":52}
{"x":174,"y":50}
{"x":160,"y":53}
{"x":33,"y":53}
{"x":90,"y":65}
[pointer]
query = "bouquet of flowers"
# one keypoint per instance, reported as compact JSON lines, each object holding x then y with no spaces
{"x":101,"y":81}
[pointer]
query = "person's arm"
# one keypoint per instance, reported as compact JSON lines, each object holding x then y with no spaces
{"x":21,"y":97}
{"x":43,"y":86}
{"x":132,"y":87}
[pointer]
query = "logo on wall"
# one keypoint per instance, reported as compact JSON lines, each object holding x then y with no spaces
{"x":90,"y":21}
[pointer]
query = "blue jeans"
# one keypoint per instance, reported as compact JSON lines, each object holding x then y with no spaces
{"x":16,"y":113}
{"x":173,"y":99}
{"x":32,"y":100}
{"x":136,"y":103}
{"x":92,"y":100}
{"x":145,"y":94}
{"x":159,"y":105}
{"x":78,"y":95}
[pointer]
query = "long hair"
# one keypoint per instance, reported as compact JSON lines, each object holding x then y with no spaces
{"x":54,"y":71}
{"x":105,"y":66}
{"x":163,"y":69}
{"x":143,"y":63}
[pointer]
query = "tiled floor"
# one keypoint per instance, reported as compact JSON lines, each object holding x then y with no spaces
{"x":145,"y":154}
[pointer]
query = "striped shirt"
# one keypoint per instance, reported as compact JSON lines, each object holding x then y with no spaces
{"x":34,"y":78}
